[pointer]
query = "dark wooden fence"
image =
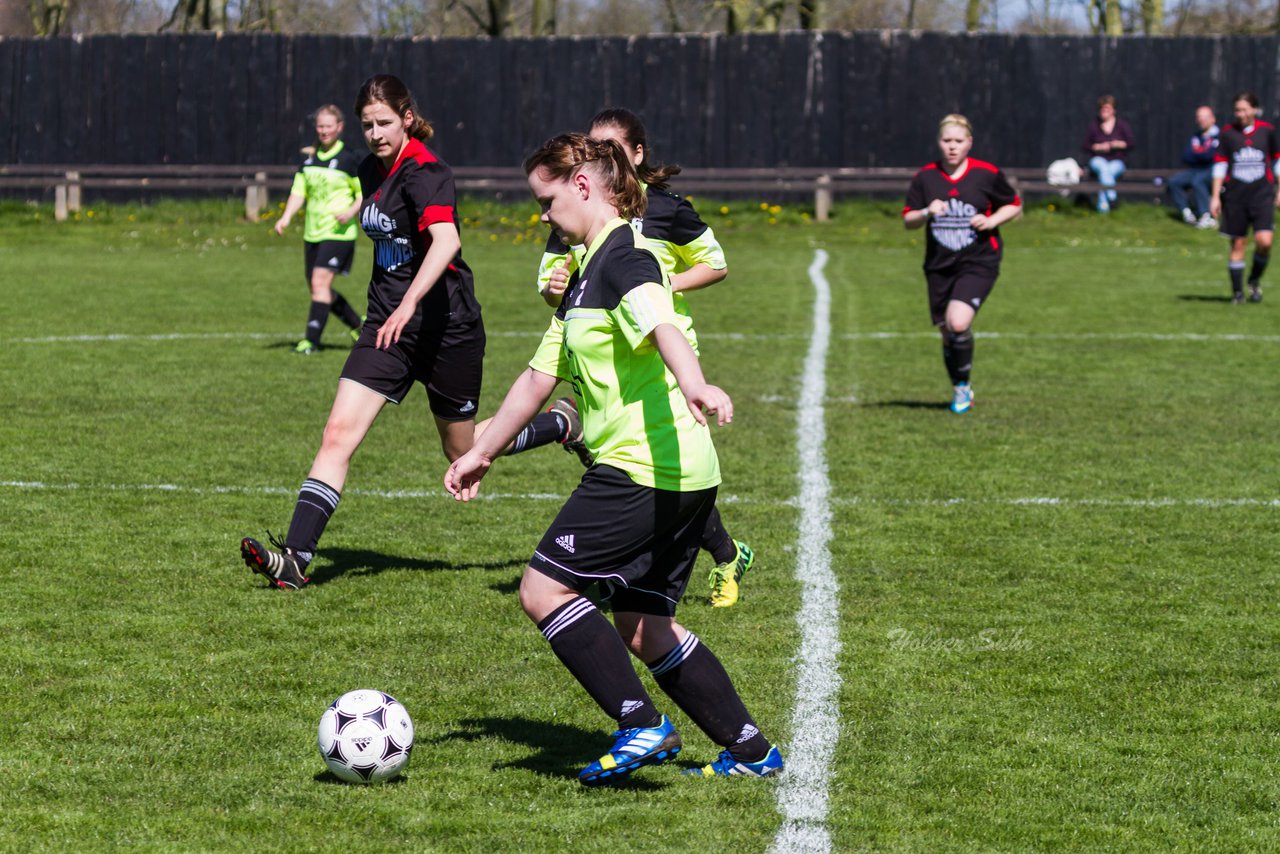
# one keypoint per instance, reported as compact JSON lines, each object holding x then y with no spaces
{"x":866,"y":99}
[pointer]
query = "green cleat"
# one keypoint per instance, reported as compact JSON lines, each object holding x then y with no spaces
{"x":725,"y":577}
{"x":305,"y":348}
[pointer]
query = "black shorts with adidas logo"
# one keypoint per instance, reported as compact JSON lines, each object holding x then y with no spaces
{"x":639,"y":543}
{"x":449,"y":362}
{"x":335,"y":255}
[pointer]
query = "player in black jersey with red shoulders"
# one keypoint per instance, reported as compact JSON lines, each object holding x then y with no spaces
{"x":1244,"y":192}
{"x":963,"y":201}
{"x":423,"y":323}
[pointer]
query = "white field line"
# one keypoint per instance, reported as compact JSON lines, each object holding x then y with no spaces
{"x":1175,"y":337}
{"x":803,"y":790}
{"x":433,"y":494}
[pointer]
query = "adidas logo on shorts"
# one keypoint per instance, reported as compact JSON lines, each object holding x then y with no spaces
{"x":565,"y":542}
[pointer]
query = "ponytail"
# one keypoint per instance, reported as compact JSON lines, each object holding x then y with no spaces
{"x":565,"y":155}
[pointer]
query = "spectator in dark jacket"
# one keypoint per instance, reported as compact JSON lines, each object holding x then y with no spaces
{"x":1106,"y":143}
{"x":1198,"y":176}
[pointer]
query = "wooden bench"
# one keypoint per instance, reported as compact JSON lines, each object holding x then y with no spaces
{"x":258,"y":182}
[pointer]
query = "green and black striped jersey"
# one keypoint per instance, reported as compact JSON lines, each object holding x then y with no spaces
{"x":634,"y":416}
{"x":328,"y":181}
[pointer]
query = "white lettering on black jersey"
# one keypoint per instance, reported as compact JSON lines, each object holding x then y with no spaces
{"x":950,"y":239}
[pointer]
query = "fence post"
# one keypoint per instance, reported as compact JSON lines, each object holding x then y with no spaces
{"x":60,"y":201}
{"x":255,"y":196}
{"x":822,"y":199}
{"x":73,"y":192}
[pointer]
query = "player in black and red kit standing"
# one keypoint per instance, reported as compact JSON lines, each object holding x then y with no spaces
{"x":1244,"y":192}
{"x":423,"y":324}
{"x":963,"y":201}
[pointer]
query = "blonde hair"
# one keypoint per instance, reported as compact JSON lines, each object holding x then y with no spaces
{"x":331,"y":109}
{"x":957,"y":120}
{"x":564,"y":156}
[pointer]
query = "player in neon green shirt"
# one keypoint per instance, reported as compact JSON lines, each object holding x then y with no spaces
{"x":327,"y":184}
{"x":693,"y":259}
{"x":634,"y":522}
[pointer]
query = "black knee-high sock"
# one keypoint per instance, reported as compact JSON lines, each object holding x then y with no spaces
{"x":693,"y":677}
{"x":316,"y":502}
{"x":545,"y":428}
{"x":1236,"y":270}
{"x":591,"y":649}
{"x":1259,"y":267}
{"x":716,"y":539}
{"x":345,"y":312}
{"x":957,"y":354}
{"x":316,"y":319}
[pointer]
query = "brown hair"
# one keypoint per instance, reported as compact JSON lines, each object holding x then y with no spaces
{"x":564,"y":156}
{"x":390,"y":90}
{"x":1246,"y":96}
{"x":633,"y":132}
{"x":1106,"y":101}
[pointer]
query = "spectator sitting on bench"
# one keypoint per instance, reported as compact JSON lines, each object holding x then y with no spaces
{"x":1106,"y":143}
{"x":1198,"y":176}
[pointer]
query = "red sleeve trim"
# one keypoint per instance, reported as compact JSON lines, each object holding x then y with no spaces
{"x":1221,"y":158}
{"x":433,"y":214}
{"x":982,"y":164}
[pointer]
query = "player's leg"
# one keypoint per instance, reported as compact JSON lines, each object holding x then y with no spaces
{"x":337,"y":256}
{"x":319,"y":280}
{"x":689,"y":673}
{"x":600,"y":533}
{"x":1235,"y":263}
{"x":685,"y":668}
{"x":1263,"y":218}
{"x":1261,"y":255}
{"x":732,"y":557}
{"x":591,"y":650}
{"x":560,"y":423}
{"x":355,"y":407}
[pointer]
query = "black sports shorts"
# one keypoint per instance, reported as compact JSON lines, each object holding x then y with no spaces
{"x":448,"y":361}
{"x":969,"y":285}
{"x":639,"y":543}
{"x":1245,"y":206}
{"x":335,"y":255}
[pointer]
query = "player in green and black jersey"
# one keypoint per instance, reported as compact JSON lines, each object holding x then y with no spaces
{"x":693,"y":259}
{"x":634,"y":523}
{"x":424,"y":321}
{"x":327,"y":184}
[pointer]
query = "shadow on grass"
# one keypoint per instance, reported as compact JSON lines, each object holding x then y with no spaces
{"x":562,"y":750}
{"x":328,"y":778}
{"x":292,"y":345}
{"x":911,"y":404}
{"x":1205,"y":297}
{"x":361,"y":562}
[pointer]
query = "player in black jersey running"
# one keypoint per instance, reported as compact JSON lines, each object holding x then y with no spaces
{"x":328,"y":185}
{"x":633,"y":523}
{"x":424,"y":322}
{"x":1245,"y":193}
{"x":963,"y":202}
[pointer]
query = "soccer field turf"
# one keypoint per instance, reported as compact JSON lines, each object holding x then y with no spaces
{"x":1056,"y":615}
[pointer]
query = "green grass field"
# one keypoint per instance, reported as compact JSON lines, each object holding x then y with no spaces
{"x":1057,"y":614}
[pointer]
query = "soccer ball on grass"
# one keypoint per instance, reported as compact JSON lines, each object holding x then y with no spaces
{"x":365,"y":736}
